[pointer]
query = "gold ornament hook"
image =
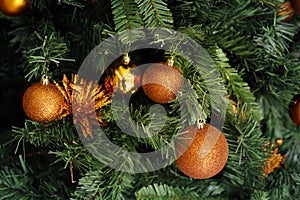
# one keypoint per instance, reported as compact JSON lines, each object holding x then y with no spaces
{"x":125,"y":59}
{"x":200,"y":124}
{"x":44,"y":80}
{"x":170,"y":61}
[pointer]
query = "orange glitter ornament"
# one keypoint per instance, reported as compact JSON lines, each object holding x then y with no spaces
{"x":162,"y":81}
{"x":296,"y":6}
{"x":13,"y":7}
{"x":286,"y":10}
{"x":206,"y":155}
{"x":43,"y":101}
{"x":295,"y":110}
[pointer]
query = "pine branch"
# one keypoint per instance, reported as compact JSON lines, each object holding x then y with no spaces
{"x":74,"y":3}
{"x":53,"y":135}
{"x":256,"y":46}
{"x":185,"y":12}
{"x":85,"y":41}
{"x":275,"y":40}
{"x":51,"y":50}
{"x":164,"y":191}
{"x":24,"y":184}
{"x":126,"y":16}
{"x":127,"y":20}
{"x":178,"y":185}
{"x":236,"y":87}
{"x":105,"y":183}
{"x":234,"y":83}
{"x":40,"y":5}
{"x":284,"y":183}
{"x":260,"y":195}
{"x":155,"y":13}
{"x":158,"y":133}
{"x":247,"y":154}
{"x":197,"y":103}
{"x":15,"y":184}
{"x":77,"y":155}
{"x":23,"y":30}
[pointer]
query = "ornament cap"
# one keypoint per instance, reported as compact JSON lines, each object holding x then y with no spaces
{"x":44,"y":80}
{"x":200,"y":123}
{"x":126,"y":59}
{"x":170,"y":61}
{"x":279,"y":141}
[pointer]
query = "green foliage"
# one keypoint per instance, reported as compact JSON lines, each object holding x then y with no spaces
{"x":156,"y":192}
{"x":52,"y":135}
{"x":75,"y":154}
{"x":49,"y":51}
{"x":14,"y":185}
{"x":237,"y":88}
{"x":155,"y":13}
{"x":105,"y":183}
{"x":85,"y":41}
{"x":256,"y":58}
{"x":21,"y":183}
{"x":40,"y":5}
{"x":285,"y":183}
{"x":184,"y":12}
{"x":260,"y":195}
{"x":126,"y":16}
{"x":74,"y":3}
{"x":245,"y":168}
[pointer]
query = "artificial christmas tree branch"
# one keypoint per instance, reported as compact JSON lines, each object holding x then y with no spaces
{"x":255,"y":53}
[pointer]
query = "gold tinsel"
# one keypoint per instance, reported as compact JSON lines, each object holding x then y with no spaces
{"x":275,"y":160}
{"x":86,"y":94}
{"x":238,"y":111}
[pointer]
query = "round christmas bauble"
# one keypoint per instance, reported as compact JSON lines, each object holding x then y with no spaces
{"x":296,"y":6}
{"x":279,"y":141}
{"x":126,"y":77}
{"x":162,"y":82}
{"x":295,"y":111}
{"x":43,"y":102}
{"x":286,"y":10}
{"x":205,"y":156}
{"x":13,"y":7}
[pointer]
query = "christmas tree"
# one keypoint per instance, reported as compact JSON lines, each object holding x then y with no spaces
{"x":149,"y":99}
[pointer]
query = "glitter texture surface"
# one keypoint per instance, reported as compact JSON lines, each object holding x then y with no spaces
{"x":207,"y":154}
{"x":43,"y":103}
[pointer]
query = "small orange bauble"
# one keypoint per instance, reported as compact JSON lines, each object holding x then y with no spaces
{"x":295,"y":112}
{"x":279,"y":141}
{"x":13,"y":7}
{"x":207,"y":154}
{"x":43,"y":102}
{"x":286,"y":10}
{"x":162,"y":82}
{"x":296,"y":6}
